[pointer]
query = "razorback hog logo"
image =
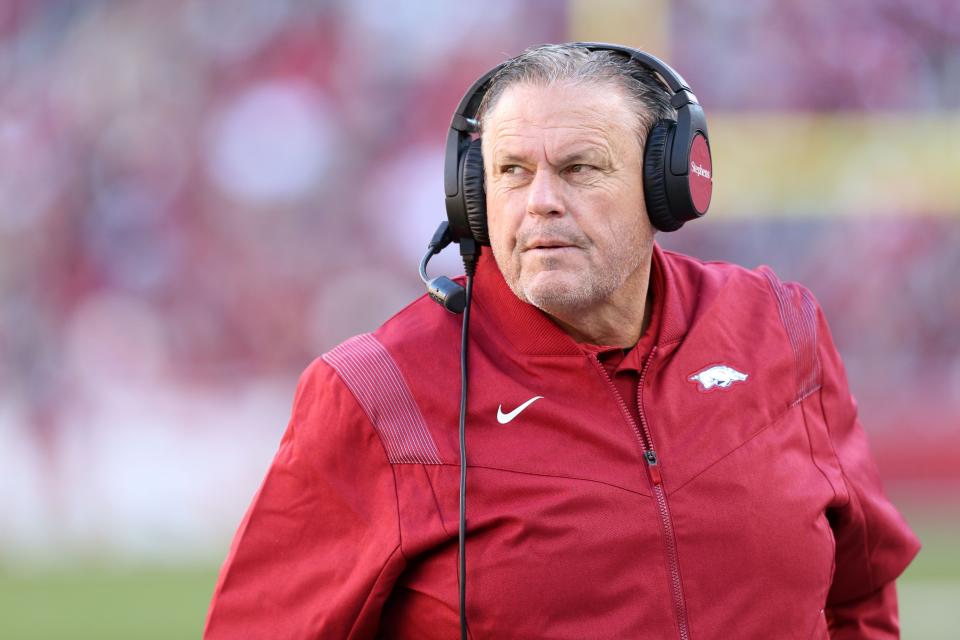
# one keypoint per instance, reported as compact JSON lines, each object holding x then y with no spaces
{"x":718,"y":377}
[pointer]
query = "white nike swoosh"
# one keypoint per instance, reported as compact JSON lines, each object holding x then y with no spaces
{"x":504,"y":418}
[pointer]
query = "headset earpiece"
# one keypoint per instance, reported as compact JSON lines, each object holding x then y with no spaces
{"x":677,"y":169}
{"x":474,"y":196}
{"x":654,"y":180}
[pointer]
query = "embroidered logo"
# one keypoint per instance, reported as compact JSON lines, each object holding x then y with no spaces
{"x":717,"y":377}
{"x":504,"y":418}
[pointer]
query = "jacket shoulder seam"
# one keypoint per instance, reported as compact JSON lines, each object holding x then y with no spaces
{"x":376,"y":382}
{"x":798,"y":316}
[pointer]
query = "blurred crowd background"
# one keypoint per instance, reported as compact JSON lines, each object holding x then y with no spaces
{"x":199,"y":197}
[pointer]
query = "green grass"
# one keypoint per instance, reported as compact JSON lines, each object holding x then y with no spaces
{"x":105,"y":603}
{"x":929,"y":590}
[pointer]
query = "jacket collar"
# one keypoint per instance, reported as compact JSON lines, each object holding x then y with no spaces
{"x":532,"y":332}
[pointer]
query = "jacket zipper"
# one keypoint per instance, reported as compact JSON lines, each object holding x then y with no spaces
{"x":656,"y":483}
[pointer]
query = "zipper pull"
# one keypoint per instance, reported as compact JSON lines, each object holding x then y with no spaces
{"x":653,"y":466}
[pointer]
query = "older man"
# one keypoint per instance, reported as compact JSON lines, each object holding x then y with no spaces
{"x":658,"y":447}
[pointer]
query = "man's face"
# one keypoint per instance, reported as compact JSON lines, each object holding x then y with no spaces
{"x":565,"y":207}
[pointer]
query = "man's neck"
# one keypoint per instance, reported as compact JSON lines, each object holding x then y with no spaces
{"x":618,"y":321}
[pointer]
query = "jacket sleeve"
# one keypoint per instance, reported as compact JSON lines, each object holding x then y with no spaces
{"x":318,"y":550}
{"x":873,"y":543}
{"x":873,"y":616}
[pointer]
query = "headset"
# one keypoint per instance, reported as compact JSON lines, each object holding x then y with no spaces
{"x":677,"y":184}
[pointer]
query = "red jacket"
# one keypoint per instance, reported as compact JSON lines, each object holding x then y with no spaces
{"x":762,"y":517}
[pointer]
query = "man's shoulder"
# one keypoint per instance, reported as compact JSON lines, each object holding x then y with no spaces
{"x":699,"y":277}
{"x":422,"y":324}
{"x":697,"y":281}
{"x":388,"y":371}
{"x":422,"y":334}
{"x":693,"y":271}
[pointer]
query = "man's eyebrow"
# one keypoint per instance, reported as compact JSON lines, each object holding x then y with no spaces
{"x":590,"y":153}
{"x":509,"y":158}
{"x":593,"y":154}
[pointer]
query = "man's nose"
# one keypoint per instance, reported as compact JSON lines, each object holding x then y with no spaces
{"x":545,"y":195}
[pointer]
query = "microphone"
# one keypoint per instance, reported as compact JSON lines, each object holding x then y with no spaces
{"x":444,"y":291}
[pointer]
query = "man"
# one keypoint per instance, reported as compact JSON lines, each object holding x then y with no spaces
{"x":658,"y":447}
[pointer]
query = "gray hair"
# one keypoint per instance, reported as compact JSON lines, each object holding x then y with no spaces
{"x":552,"y":63}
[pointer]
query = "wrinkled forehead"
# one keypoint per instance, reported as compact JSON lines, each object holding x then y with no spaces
{"x":565,"y":111}
{"x":603,"y":98}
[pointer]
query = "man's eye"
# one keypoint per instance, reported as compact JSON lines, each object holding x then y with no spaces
{"x":579,"y":168}
{"x":511,"y":169}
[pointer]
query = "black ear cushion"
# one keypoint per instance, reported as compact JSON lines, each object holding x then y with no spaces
{"x":474,"y":196}
{"x":654,"y":177}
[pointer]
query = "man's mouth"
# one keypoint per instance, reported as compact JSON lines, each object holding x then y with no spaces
{"x":548,"y":244}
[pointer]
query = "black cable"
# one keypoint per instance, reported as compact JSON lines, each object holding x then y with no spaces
{"x":456,"y":298}
{"x":441,"y":238}
{"x":431,"y":251}
{"x":462,"y":568}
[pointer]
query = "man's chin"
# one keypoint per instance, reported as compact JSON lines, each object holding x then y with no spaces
{"x":556,"y":291}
